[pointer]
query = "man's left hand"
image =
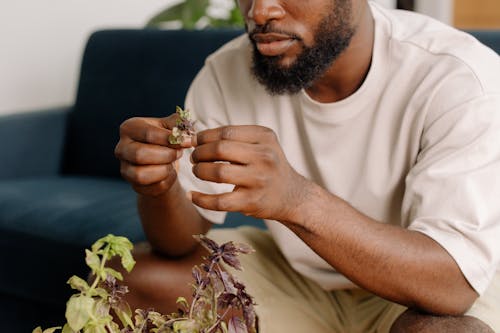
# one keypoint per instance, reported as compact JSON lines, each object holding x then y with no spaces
{"x":266,"y":185}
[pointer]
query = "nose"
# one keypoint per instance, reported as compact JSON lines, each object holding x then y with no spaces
{"x":263,"y":11}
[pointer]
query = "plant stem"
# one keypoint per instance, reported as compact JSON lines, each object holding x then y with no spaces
{"x":219,"y":319}
{"x":198,"y":290}
{"x":109,"y":328}
{"x":103,"y":262}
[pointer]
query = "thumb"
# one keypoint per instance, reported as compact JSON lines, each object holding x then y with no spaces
{"x":169,"y":122}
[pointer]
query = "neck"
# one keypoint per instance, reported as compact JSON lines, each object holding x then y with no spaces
{"x":350,"y":69}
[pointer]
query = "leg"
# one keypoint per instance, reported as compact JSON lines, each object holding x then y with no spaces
{"x":286,"y":301}
{"x":412,"y":321}
{"x":156,"y":282}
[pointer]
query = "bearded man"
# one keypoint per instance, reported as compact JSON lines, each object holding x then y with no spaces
{"x":366,"y":139}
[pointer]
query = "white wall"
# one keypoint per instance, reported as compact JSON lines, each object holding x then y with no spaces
{"x":41,"y":44}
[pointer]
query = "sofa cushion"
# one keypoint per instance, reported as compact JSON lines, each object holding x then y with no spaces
{"x":76,"y":210}
{"x":46,"y":223}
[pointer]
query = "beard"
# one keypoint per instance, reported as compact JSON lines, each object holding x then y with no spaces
{"x":331,"y":38}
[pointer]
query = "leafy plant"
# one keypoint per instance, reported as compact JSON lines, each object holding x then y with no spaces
{"x":217,"y":295}
{"x":184,"y":127}
{"x":198,"y":14}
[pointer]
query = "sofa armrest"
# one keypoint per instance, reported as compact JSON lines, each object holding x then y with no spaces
{"x":31,"y":144}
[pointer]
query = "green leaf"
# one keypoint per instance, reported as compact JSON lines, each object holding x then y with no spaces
{"x":113,"y":273}
{"x":223,"y":326}
{"x":67,"y":329}
{"x":37,"y":330}
{"x":103,"y":275}
{"x":78,"y":310}
{"x":96,"y":329}
{"x":183,"y":302}
{"x":156,"y":318}
{"x":169,"y":14}
{"x":98,"y":244}
{"x":99,"y":292}
{"x":193,"y":12}
{"x":188,"y":13}
{"x":117,"y":242}
{"x":124,"y":313}
{"x":185,"y":326}
{"x":92,"y":261}
{"x":78,"y":283}
{"x":101,"y":310}
{"x":128,"y":261}
{"x":51,"y":330}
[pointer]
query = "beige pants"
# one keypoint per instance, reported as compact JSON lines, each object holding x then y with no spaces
{"x":288,"y":302}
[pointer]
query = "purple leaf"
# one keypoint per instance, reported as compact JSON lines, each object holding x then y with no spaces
{"x":232,"y":260}
{"x":236,"y":325}
{"x":225,"y":300}
{"x":228,"y":282}
{"x":209,"y":244}
{"x":228,"y":248}
{"x":197,"y":275}
{"x":249,"y":315}
{"x":217,"y":284}
{"x":244,"y":248}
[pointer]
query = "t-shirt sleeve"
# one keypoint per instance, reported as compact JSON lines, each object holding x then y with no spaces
{"x":453,"y":191}
{"x":204,"y":100}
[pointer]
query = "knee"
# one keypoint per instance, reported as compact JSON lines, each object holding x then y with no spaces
{"x":156,"y":282}
{"x":412,"y":321}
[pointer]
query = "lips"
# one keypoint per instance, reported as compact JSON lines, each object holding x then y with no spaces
{"x":272,"y":44}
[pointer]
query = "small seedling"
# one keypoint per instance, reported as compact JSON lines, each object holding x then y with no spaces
{"x":184,"y":127}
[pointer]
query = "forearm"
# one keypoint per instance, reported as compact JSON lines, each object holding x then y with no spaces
{"x":170,"y":220}
{"x":403,"y":266}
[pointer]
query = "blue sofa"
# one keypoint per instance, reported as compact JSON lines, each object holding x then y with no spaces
{"x":60,"y":187}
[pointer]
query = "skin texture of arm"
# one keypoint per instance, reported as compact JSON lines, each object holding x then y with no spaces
{"x":401,"y":265}
{"x":170,"y":221}
{"x":397,"y":264}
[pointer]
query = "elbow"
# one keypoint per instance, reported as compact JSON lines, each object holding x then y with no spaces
{"x":448,"y":304}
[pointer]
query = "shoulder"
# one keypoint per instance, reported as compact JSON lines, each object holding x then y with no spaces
{"x":431,"y":45}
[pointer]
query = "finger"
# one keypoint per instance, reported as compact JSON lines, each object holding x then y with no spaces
{"x":168,"y":122}
{"x":143,"y":154}
{"x":225,"y":202}
{"x":145,"y":130}
{"x":151,"y":130}
{"x":146,"y":174}
{"x":156,"y":188}
{"x":228,"y":151}
{"x":224,"y":173}
{"x":242,"y":133}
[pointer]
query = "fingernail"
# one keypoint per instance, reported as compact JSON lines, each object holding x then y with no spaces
{"x":189,"y":195}
{"x":179,"y":153}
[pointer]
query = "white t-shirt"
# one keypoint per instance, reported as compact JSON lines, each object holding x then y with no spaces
{"x":418,"y":145}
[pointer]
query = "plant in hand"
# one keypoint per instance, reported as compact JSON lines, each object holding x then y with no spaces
{"x":217,"y":296}
{"x":184,"y":127}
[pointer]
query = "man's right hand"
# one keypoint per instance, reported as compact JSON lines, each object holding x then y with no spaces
{"x":146,"y":157}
